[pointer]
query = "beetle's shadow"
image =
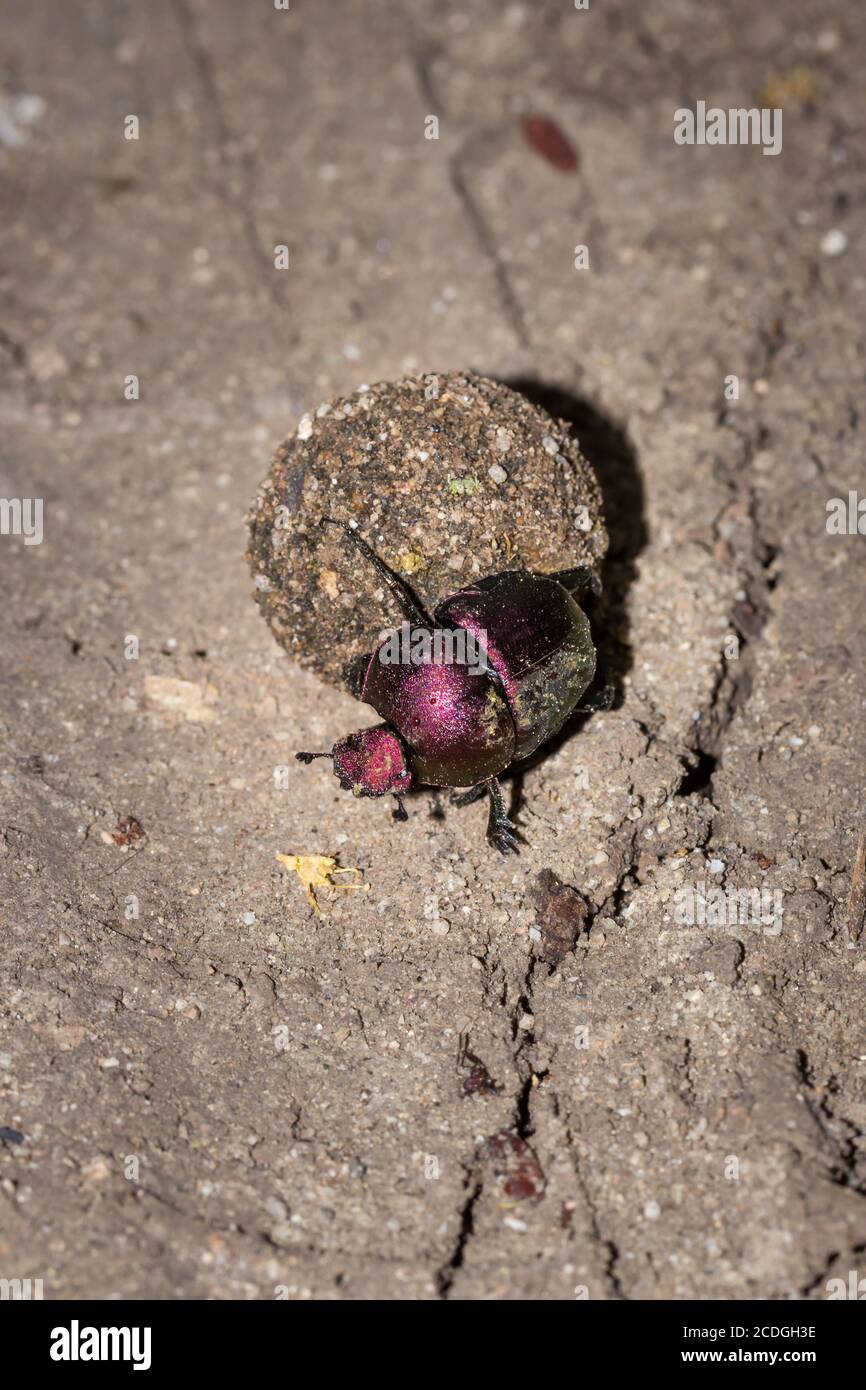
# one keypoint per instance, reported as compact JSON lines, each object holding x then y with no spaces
{"x":612,"y":454}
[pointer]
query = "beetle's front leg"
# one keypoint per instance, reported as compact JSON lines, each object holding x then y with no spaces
{"x":500,"y":830}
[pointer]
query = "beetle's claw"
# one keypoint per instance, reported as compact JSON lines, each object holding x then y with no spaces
{"x":502,"y":835}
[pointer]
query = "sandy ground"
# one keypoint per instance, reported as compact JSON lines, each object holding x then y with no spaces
{"x":208,"y":1092}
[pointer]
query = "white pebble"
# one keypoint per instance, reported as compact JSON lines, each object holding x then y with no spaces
{"x":497,"y":473}
{"x":834,"y":242}
{"x":305,"y":427}
{"x":652,"y":1211}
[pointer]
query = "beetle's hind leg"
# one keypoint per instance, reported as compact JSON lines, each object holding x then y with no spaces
{"x":598,"y":700}
{"x":579,"y":580}
{"x":500,"y":830}
{"x":469,"y":797}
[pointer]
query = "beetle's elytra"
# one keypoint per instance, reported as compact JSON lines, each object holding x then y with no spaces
{"x":451,"y":724}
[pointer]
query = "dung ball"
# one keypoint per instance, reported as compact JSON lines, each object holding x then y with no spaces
{"x":448,"y":477}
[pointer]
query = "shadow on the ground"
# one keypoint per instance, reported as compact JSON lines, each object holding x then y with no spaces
{"x":614,"y":459}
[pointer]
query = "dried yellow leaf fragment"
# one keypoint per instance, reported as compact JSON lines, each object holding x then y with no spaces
{"x":317,"y":871}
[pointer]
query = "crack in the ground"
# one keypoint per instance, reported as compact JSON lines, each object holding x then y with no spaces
{"x":423,"y":54}
{"x":612,"y":1254}
{"x":239,"y":205}
{"x":844,"y":1172}
{"x":487,"y":242}
{"x":447,"y":1272}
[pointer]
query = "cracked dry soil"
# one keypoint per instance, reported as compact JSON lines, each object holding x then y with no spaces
{"x":469,"y":1081}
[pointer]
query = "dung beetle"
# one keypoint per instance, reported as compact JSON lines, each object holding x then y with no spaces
{"x":461,"y":723}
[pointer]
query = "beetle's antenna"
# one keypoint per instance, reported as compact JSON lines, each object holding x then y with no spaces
{"x":308,"y":757}
{"x":413,"y":609}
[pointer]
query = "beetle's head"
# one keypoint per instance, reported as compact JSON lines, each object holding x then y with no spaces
{"x":371,"y":762}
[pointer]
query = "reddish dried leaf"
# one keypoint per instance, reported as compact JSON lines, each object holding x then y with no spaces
{"x":127,"y":830}
{"x":560,"y":916}
{"x":547,"y":139}
{"x":517,"y":1170}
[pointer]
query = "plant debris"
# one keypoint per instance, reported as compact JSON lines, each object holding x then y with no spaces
{"x":561,"y":914}
{"x":318,"y":871}
{"x":545,"y":137}
{"x":517,"y":1171}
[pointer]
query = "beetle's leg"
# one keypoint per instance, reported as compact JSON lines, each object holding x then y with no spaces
{"x":413,"y":610}
{"x":578,"y":580}
{"x":308,"y":757}
{"x":467,"y":798}
{"x":599,"y":699}
{"x":400,"y":813}
{"x":500,"y":830}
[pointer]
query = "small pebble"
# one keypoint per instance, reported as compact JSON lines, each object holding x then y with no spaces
{"x":834,"y":243}
{"x":514,"y":1224}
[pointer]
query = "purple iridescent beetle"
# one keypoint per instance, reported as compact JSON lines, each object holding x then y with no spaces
{"x":462,"y":723}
